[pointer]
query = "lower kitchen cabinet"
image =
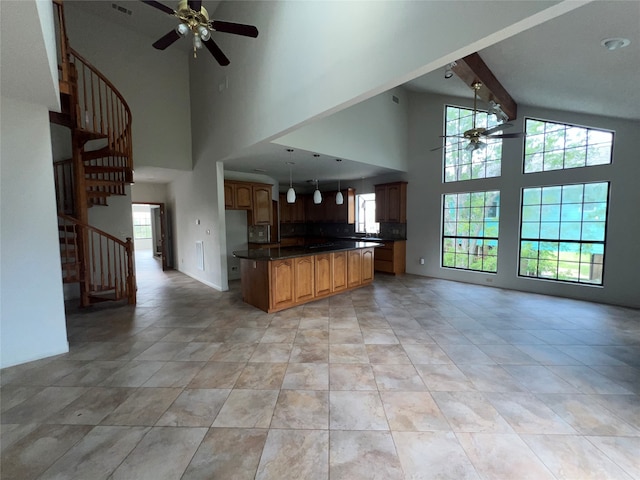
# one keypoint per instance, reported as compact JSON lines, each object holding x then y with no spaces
{"x":339,"y":270}
{"x":391,"y":258}
{"x":304,"y":279}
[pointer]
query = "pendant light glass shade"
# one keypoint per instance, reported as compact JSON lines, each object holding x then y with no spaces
{"x":317,"y":196}
{"x":339,"y":196}
{"x":291,"y":193}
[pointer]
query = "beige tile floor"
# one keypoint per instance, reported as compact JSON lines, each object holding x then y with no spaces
{"x":410,"y":378}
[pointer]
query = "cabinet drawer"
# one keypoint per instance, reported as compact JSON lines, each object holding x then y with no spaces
{"x":384,"y":253}
{"x":383,"y":265}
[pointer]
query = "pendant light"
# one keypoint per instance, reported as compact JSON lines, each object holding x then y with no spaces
{"x":317,"y":196}
{"x":339,"y":196}
{"x":291,"y":193}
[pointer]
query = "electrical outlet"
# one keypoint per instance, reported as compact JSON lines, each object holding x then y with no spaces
{"x":234,"y":269}
{"x":422,"y":261}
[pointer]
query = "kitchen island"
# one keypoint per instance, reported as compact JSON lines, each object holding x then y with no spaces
{"x":277,"y":278}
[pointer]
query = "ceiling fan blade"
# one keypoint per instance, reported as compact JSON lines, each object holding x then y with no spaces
{"x":235,"y":28}
{"x":216,"y":52}
{"x":159,"y":6}
{"x":509,"y":135}
{"x":497,"y":128}
{"x":167,"y":40}
{"x":195,"y":5}
{"x":451,"y":136}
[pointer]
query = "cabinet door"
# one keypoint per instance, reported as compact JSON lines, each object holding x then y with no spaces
{"x":324,"y":274}
{"x":262,"y":205}
{"x":339,"y":260}
{"x":393,"y":203}
{"x":304,"y":276}
{"x":381,"y":203}
{"x":228,"y":195}
{"x":282,"y":282}
{"x":367,"y":265}
{"x":298,"y":215}
{"x":242,"y":196}
{"x":354,"y":268}
{"x":285,"y":209}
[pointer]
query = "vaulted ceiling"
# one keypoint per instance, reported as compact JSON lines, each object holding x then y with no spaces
{"x":559,"y":64}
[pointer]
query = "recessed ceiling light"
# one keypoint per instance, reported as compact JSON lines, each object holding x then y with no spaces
{"x":615,"y":43}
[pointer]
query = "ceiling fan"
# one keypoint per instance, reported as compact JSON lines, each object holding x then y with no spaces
{"x":194,"y":18}
{"x":476,"y":134}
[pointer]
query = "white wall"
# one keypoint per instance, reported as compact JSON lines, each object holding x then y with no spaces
{"x":374,"y":131}
{"x":314,"y":58}
{"x":148,"y":192}
{"x":622,"y":261}
{"x":32,"y":324}
{"x":154,"y":83}
{"x":196,"y":200}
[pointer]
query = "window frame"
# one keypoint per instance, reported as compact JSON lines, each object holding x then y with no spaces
{"x":566,"y":125}
{"x":471,"y":238}
{"x":461,"y":149}
{"x":559,"y":240}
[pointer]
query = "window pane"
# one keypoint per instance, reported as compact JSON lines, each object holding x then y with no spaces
{"x":566,"y":216}
{"x":555,"y":146}
{"x":470,"y":230}
{"x":460,"y":164}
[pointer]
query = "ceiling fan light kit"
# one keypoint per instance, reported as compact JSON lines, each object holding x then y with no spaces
{"x":476,"y":134}
{"x":194,"y":18}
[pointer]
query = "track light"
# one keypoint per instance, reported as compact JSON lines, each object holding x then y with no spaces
{"x":448,"y":72}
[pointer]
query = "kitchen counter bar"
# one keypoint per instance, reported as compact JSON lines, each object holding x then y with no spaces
{"x":280,"y":253}
{"x":274,"y":279}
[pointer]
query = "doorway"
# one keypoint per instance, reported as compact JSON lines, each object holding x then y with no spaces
{"x":149,"y":232}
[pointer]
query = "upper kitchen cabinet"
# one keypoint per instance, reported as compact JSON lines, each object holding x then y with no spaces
{"x":391,"y":202}
{"x":292,"y":212}
{"x":262,"y":212}
{"x":238,"y":195}
{"x":329,"y":212}
{"x":254,"y":197}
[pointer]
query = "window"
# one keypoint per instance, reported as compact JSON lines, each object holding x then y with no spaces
{"x":141,"y":224}
{"x":366,"y":213}
{"x":459,"y":164}
{"x":470,"y":230}
{"x":555,"y":146}
{"x":562,"y":233}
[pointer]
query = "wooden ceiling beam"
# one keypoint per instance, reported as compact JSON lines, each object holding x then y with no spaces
{"x":472,"y":69}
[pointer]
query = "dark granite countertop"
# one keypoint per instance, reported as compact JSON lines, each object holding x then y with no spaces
{"x":280,"y":253}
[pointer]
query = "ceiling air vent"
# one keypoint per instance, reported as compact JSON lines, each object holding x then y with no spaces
{"x":121,"y":9}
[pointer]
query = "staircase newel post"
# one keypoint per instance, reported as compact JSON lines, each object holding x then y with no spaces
{"x":131,"y":274}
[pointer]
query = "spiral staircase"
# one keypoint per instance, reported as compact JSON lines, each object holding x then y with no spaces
{"x":101,"y":165}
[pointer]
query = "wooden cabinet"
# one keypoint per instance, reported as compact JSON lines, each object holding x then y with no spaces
{"x":324,"y":274}
{"x":354,"y":268}
{"x":367,"y":265}
{"x":238,"y":195}
{"x":292,"y":212}
{"x":262,"y":210}
{"x":255,"y":197}
{"x":391,"y":257}
{"x":339,"y":266}
{"x":391,"y":202}
{"x":329,"y":212}
{"x":274,"y":285}
{"x":304,"y":278}
{"x":281,"y":293}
